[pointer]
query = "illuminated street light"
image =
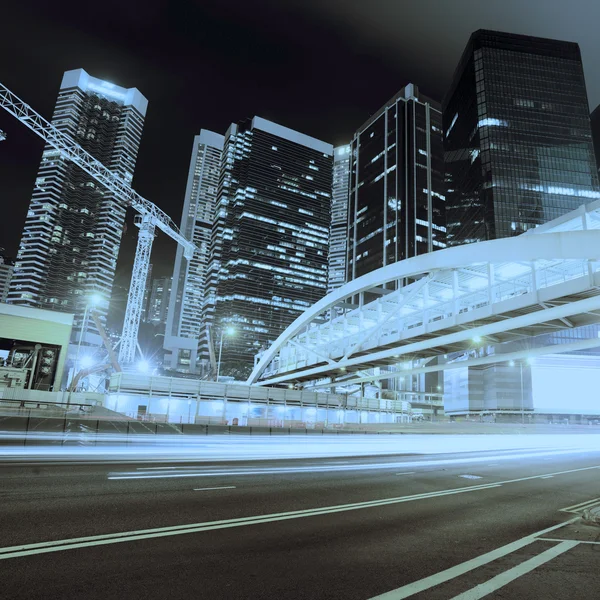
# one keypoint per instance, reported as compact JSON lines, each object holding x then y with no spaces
{"x":476,"y":339}
{"x":92,"y":301}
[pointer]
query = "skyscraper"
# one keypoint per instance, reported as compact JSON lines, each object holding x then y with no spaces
{"x":338,"y":231}
{"x":73,"y":230}
{"x":185,"y":325}
{"x":270,"y":238}
{"x":397,"y":191}
{"x":518,"y":145}
{"x":158,"y":302}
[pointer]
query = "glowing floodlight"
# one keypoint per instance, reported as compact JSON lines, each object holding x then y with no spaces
{"x":143,"y":366}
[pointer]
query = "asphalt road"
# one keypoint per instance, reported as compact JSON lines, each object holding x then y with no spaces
{"x":466,"y":525}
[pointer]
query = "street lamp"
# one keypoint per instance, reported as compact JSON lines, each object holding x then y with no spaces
{"x":228,"y":331}
{"x":92,"y":302}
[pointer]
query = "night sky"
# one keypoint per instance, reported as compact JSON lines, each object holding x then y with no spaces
{"x":319,"y":66}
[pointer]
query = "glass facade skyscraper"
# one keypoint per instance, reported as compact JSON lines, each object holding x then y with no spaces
{"x":518,"y":144}
{"x":270,"y":239}
{"x":72,"y":234}
{"x":338,"y":232}
{"x":186,"y":331}
{"x":396,"y":205}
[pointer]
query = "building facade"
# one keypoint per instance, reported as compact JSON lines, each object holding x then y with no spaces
{"x":338,"y":231}
{"x":270,"y":238}
{"x":158,"y":301}
{"x":186,"y":331}
{"x":6,"y":271}
{"x":518,"y":144}
{"x":72,"y":233}
{"x":397,"y":194}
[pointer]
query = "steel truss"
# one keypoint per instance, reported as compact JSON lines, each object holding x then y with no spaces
{"x":500,"y":290}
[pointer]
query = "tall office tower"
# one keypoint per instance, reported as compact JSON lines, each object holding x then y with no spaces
{"x":518,"y":145}
{"x":397,"y":191}
{"x":73,"y":230}
{"x":185,"y":330}
{"x":270,"y":238}
{"x":6,"y":271}
{"x":338,"y":231}
{"x":158,"y":302}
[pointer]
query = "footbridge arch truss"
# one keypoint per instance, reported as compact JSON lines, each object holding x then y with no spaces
{"x":545,"y":280}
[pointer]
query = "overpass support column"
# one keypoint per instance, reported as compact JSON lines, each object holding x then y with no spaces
{"x":491,"y":284}
{"x":455,"y":292}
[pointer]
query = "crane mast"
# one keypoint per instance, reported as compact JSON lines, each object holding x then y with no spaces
{"x":150,"y":216}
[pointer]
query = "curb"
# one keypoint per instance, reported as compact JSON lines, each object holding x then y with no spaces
{"x":591,"y":516}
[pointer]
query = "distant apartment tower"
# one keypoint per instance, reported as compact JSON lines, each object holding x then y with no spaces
{"x":338,"y":231}
{"x":6,"y":270}
{"x":518,"y":144}
{"x":73,"y":229}
{"x":185,"y":325}
{"x":158,"y":301}
{"x":397,"y":192}
{"x":270,"y":240}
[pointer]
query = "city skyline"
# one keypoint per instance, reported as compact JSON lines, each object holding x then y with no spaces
{"x":127,"y":57}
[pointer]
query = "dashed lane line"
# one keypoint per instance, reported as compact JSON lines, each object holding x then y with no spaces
{"x":130,"y":536}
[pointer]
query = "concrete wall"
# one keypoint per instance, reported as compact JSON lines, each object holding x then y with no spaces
{"x":38,"y":326}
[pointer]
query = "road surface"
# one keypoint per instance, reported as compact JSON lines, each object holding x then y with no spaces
{"x":495,"y":524}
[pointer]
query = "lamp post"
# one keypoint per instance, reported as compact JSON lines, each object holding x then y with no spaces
{"x":92,"y":302}
{"x":228,"y":331}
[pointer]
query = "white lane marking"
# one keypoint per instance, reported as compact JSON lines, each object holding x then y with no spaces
{"x":407,"y":473}
{"x":546,"y":476}
{"x":470,"y":476}
{"x":225,"y":487}
{"x":545,"y":539}
{"x":493,"y":465}
{"x":129,"y":536}
{"x":495,"y":583}
{"x":580,"y":505}
{"x":158,"y":468}
{"x":469,"y":565}
{"x":309,"y":469}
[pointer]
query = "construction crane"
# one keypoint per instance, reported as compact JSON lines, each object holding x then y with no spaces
{"x":150,"y":216}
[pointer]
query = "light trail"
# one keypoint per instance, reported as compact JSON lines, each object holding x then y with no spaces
{"x":179,"y":448}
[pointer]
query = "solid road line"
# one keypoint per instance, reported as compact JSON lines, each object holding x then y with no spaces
{"x":581,"y":505}
{"x":225,"y":487}
{"x":469,"y":565}
{"x":131,"y":536}
{"x":483,"y":589}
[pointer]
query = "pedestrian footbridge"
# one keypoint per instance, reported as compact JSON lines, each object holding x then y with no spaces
{"x":455,"y":299}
